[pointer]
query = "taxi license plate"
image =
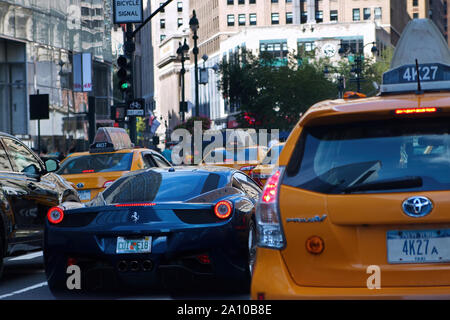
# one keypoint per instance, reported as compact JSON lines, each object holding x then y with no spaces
{"x":142,"y":245}
{"x":84,"y":195}
{"x":424,"y":246}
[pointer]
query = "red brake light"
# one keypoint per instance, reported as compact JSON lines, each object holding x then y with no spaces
{"x":135,"y":204}
{"x":270,"y":190}
{"x":415,"y":110}
{"x":88,"y":171}
{"x":223,"y":209}
{"x":204,"y":259}
{"x":55,"y":215}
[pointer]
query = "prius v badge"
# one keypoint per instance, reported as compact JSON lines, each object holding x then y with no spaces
{"x":307,"y":220}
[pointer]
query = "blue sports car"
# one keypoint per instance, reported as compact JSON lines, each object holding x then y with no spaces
{"x":156,"y":227}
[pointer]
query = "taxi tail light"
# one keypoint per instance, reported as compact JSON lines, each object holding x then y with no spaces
{"x":108,"y":183}
{"x":223,"y":209}
{"x":270,"y":234}
{"x":55,"y":215}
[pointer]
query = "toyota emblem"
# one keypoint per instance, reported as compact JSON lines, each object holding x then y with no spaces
{"x":417,"y":206}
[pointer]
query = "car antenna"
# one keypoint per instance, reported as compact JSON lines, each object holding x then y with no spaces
{"x":419,"y":87}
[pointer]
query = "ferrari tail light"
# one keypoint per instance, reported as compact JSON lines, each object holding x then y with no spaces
{"x":55,"y":215}
{"x":204,"y":259}
{"x":143,"y":204}
{"x":223,"y":209}
{"x":270,"y":234}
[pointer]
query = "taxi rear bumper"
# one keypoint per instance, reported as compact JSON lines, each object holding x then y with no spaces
{"x":281,"y":286}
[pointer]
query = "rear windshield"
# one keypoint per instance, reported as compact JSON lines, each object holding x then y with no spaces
{"x":97,"y":163}
{"x":162,"y":187}
{"x":389,"y":156}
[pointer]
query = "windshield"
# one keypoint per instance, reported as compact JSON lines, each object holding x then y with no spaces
{"x":388,"y":156}
{"x":97,"y":163}
{"x":155,"y":186}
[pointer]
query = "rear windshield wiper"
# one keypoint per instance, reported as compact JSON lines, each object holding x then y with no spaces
{"x":387,"y":184}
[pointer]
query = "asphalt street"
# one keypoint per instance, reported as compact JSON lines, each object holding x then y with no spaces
{"x":24,"y":279}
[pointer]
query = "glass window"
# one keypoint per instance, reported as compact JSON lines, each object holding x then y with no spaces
{"x":162,"y":37}
{"x":230,"y":20}
{"x":319,"y":16}
{"x":252,"y":1}
{"x":277,"y":49}
{"x":377,"y":13}
{"x":366,"y":13}
{"x":275,"y":18}
{"x":241,"y":19}
{"x":333,"y":15}
{"x":180,"y":6}
{"x":180,"y":22}
{"x":5,"y":165}
{"x":148,"y":161}
{"x":162,"y":23}
{"x":160,"y":161}
{"x":356,"y":15}
{"x":252,"y":18}
{"x":289,"y":18}
{"x":107,"y":162}
{"x":241,"y":2}
{"x":415,"y":15}
{"x":303,"y":17}
{"x":230,"y":2}
{"x":379,"y":156}
{"x":23,"y":160}
{"x":415,"y":3}
{"x":274,"y":1}
{"x":162,"y":9}
{"x":154,"y":186}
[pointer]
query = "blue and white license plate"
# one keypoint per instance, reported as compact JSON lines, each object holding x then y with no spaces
{"x":141,"y":245}
{"x":85,"y":195}
{"x":418,"y":246}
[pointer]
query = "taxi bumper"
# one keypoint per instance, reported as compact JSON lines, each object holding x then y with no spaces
{"x":280,"y":285}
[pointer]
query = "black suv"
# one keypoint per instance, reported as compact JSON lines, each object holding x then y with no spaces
{"x":28,"y":188}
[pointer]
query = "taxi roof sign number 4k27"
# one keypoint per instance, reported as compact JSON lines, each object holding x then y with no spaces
{"x":421,"y":41}
{"x":128,"y":11}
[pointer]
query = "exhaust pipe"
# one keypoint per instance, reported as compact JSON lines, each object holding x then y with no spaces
{"x":134,"y":266}
{"x":147,"y":265}
{"x":122,"y":266}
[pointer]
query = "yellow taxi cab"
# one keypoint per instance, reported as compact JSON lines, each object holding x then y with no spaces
{"x":110,"y":156}
{"x":264,"y":169}
{"x":240,"y":158}
{"x":359,"y":207}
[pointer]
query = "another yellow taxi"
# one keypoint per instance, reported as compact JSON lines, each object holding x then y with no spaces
{"x":359,"y":206}
{"x":264,"y":169}
{"x":240,"y":158}
{"x":111,"y":155}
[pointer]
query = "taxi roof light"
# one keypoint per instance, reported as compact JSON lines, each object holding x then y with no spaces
{"x":109,"y":139}
{"x":421,"y":60}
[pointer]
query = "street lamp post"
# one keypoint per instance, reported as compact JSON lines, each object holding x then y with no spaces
{"x":194,"y":25}
{"x":181,"y":51}
{"x":357,"y":66}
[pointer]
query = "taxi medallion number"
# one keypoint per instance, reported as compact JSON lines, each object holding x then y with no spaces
{"x":142,"y":245}
{"x":425,"y":246}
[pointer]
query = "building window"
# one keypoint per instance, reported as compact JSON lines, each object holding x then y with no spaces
{"x":275,"y":18}
{"x":353,"y":46}
{"x":180,"y":22}
{"x":230,"y":2}
{"x":333,"y":15}
{"x":180,"y":6}
{"x":230,"y":20}
{"x":162,"y":37}
{"x":162,"y":23}
{"x":366,"y":13}
{"x":306,"y":48}
{"x":415,"y":15}
{"x":252,"y":1}
{"x":241,"y":1}
{"x":241,"y":19}
{"x":356,"y":16}
{"x":288,"y":1}
{"x":274,"y":1}
{"x":252,"y":19}
{"x":319,"y":16}
{"x":289,"y":18}
{"x":377,"y":13}
{"x":415,"y":3}
{"x":303,"y":17}
{"x":162,"y":9}
{"x":276,"y":49}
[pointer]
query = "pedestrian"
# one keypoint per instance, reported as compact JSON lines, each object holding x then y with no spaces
{"x":167,"y":153}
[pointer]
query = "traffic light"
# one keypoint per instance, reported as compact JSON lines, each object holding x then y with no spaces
{"x":124,"y":74}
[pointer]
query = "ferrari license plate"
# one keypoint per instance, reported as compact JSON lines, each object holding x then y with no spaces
{"x":85,"y":195}
{"x":127,"y":245}
{"x":424,"y":246}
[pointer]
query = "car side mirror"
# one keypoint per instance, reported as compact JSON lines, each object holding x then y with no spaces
{"x":51,"y":165}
